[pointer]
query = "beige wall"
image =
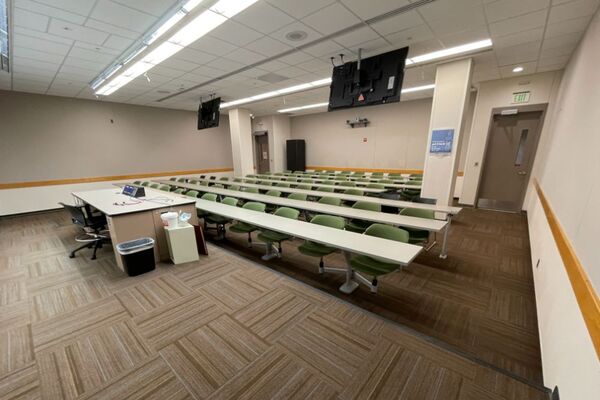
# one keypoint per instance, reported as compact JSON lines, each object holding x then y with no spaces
{"x":568,"y":168}
{"x":396,"y":136}
{"x":48,"y":138}
{"x":279,"y":130}
{"x":495,"y":94}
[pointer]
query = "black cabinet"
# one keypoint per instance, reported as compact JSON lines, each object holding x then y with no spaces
{"x":296,"y":156}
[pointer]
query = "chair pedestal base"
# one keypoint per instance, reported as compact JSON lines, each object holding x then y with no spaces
{"x":348,"y":287}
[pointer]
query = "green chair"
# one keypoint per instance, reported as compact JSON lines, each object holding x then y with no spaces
{"x":242,"y":227}
{"x":193,"y":193}
{"x":306,"y":181}
{"x":165,"y":188}
{"x":347,"y":183}
{"x":173,"y":179}
{"x":179,"y":191}
{"x":304,"y":187}
{"x":297,"y":196}
{"x":287,"y":171}
{"x":395,"y":176}
{"x":145,"y":183}
{"x":299,"y":172}
{"x":418,"y":236}
{"x":320,"y":250}
{"x":386,"y":181}
{"x":284,"y":185}
{"x":219,"y":186}
{"x":274,"y":193}
{"x":270,"y":237}
{"x":411,"y":194}
{"x":181,"y":180}
{"x":250,"y":190}
{"x":219,"y":220}
{"x":340,"y":178}
{"x":154,"y":186}
{"x":363,"y":180}
{"x":239,"y":180}
{"x":332,"y":201}
{"x":375,"y":186}
{"x":354,"y":192}
{"x":360,"y":226}
{"x":375,"y":267}
{"x":137,"y":182}
{"x":325,"y":189}
{"x":194,"y":182}
{"x":234,"y":187}
{"x":345,"y":172}
{"x":202,"y":213}
{"x":377,"y":175}
{"x":223,"y":178}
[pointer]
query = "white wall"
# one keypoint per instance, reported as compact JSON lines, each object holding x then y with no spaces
{"x":495,"y":94}
{"x":568,"y":169}
{"x":55,"y":138}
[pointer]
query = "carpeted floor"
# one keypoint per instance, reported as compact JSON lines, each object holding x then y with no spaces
{"x":225,"y":328}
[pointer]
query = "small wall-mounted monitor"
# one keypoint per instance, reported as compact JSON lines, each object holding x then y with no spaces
{"x":378,"y":80}
{"x":208,"y":114}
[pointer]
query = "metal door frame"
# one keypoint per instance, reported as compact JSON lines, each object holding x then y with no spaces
{"x":255,"y":134}
{"x":498,"y":111}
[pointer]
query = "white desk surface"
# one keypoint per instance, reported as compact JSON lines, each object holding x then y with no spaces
{"x":329,"y":182}
{"x":330,"y":178}
{"x":350,"y":197}
{"x":364,"y":189}
{"x":388,"y":250}
{"x":105,"y":199}
{"x":431,"y":225}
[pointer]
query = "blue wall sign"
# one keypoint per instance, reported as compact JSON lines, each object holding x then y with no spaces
{"x":441,"y":141}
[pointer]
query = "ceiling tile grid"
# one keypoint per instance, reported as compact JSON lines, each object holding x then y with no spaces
{"x":61,"y":45}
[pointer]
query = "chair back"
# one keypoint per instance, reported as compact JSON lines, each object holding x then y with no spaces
{"x":387,"y":232}
{"x":331,"y":221}
{"x":287,"y":212}
{"x":77,"y":215}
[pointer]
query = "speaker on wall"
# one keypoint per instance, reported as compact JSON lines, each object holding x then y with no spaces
{"x":296,"y":157}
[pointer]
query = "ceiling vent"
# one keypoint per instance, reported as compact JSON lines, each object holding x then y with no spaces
{"x":296,"y":36}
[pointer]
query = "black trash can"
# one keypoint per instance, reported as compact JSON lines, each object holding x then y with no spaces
{"x":138,"y":255}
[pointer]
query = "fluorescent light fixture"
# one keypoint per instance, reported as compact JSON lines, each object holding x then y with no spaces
{"x":317,"y":105}
{"x":200,"y":26}
{"x":205,"y":22}
{"x":407,"y":90}
{"x":166,"y":26}
{"x":275,"y":93}
{"x":518,"y":69}
{"x":452,"y":51}
{"x":417,"y":88}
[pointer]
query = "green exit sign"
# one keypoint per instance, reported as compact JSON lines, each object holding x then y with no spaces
{"x":521,"y":97}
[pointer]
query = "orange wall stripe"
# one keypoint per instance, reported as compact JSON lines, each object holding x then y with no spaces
{"x":70,"y":181}
{"x":586,"y":296}
{"x":388,"y":170}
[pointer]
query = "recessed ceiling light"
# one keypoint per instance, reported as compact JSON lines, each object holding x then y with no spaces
{"x":518,"y":69}
{"x":296,"y":36}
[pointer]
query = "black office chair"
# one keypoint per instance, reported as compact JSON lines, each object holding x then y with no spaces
{"x":94,"y":226}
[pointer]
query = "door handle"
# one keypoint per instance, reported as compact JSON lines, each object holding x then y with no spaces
{"x":522,"y":173}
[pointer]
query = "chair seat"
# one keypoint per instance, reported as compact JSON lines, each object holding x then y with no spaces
{"x":372,"y":266}
{"x":272,"y":236}
{"x":315,"y":249}
{"x":417,"y":236}
{"x":242,"y":227}
{"x":217,"y":219}
{"x":357,"y":225}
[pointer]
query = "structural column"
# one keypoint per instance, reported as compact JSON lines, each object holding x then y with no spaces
{"x":240,"y":128}
{"x":450,"y":102}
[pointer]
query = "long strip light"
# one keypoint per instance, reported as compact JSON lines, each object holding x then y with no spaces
{"x":465,"y":48}
{"x":317,"y":105}
{"x":189,"y":33}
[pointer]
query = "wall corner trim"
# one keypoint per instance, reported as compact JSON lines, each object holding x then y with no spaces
{"x":586,"y":296}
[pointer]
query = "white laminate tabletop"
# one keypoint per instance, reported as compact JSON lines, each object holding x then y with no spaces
{"x":367,"y":190}
{"x":329,"y":183}
{"x":388,"y":250}
{"x":431,"y":225}
{"x":112,"y":202}
{"x":349,"y":197}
